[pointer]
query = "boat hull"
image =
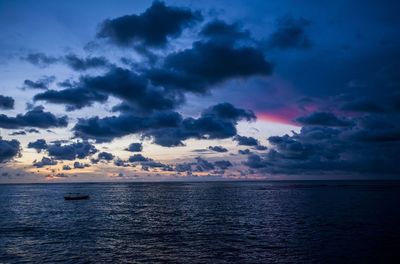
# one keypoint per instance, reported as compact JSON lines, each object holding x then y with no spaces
{"x":83,"y":197}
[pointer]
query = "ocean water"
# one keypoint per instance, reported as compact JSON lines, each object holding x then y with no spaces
{"x":210,"y":222}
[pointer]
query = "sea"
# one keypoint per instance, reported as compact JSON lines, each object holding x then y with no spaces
{"x":202,"y":222}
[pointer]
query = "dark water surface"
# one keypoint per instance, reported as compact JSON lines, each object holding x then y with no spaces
{"x":213,"y":222}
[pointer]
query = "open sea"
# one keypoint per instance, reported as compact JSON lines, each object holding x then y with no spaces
{"x":208,"y":222}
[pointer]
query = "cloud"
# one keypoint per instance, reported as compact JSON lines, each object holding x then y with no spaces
{"x":33,"y":118}
{"x":290,"y":34}
{"x":376,"y":129}
{"x":227,"y":111}
{"x":74,"y":98}
{"x":83,"y":64}
{"x":214,"y":123}
{"x":40,"y":59}
{"x":42,"y":83}
{"x":261,"y":147}
{"x":66,"y":167}
{"x":17,"y":133}
{"x":324,"y":119}
{"x":138,"y":158}
{"x":44,"y":162}
{"x":151,"y":28}
{"x":146,"y":165}
{"x":183,"y":167}
{"x":71,"y":60}
{"x":208,"y":63}
{"x":71,"y":151}
{"x":223,"y":164}
{"x":203,"y":165}
{"x":368,"y":147}
{"x":166,"y":128}
{"x":107,"y":128}
{"x":132,"y":88}
{"x":6,"y":102}
{"x":79,"y":165}
{"x":9,"y":149}
{"x":38,"y":145}
{"x":246,"y":141}
{"x":135,"y":147}
{"x":363,"y":105}
{"x":218,"y":149}
{"x":254,"y":161}
{"x":224,"y":33}
{"x":32,"y":130}
{"x":121,"y":163}
{"x":244,"y":151}
{"x":388,"y":103}
{"x":105,"y":156}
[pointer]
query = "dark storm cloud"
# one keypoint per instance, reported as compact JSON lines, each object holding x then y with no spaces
{"x":9,"y":149}
{"x":224,"y":33}
{"x":261,"y":147}
{"x":362,"y":105}
{"x":71,"y":60}
{"x":388,"y":103}
{"x":195,"y":69}
{"x":207,"y":64}
{"x":369,"y":147}
{"x":32,"y":130}
{"x":40,"y":59}
{"x":227,"y":111}
{"x":244,"y":151}
{"x":83,"y":64}
{"x":146,"y":165}
{"x":151,"y":28}
{"x":33,"y":118}
{"x":66,"y":83}
{"x":44,"y":162}
{"x":42,"y":83}
{"x":324,"y":119}
{"x":73,"y":98}
{"x":123,"y":108}
{"x":214,"y":123}
{"x":17,"y":133}
{"x":39,"y":145}
{"x":108,"y":128}
{"x":254,"y":161}
{"x":135,"y":147}
{"x":166,"y":128}
{"x":138,"y":158}
{"x":246,"y":141}
{"x":71,"y":151}
{"x":218,"y":149}
{"x":132,"y":88}
{"x":121,"y":163}
{"x":290,"y":33}
{"x":183,"y":167}
{"x":6,"y":102}
{"x":203,"y":165}
{"x":124,"y":84}
{"x":79,"y":165}
{"x":105,"y":156}
{"x":377,"y":128}
{"x":223,"y":164}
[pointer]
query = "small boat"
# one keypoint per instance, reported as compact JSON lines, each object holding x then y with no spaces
{"x":76,"y":196}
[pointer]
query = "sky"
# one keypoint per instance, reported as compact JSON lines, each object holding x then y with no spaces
{"x":199,"y":90}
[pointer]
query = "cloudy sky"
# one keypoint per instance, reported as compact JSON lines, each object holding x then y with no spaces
{"x":199,"y":90}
